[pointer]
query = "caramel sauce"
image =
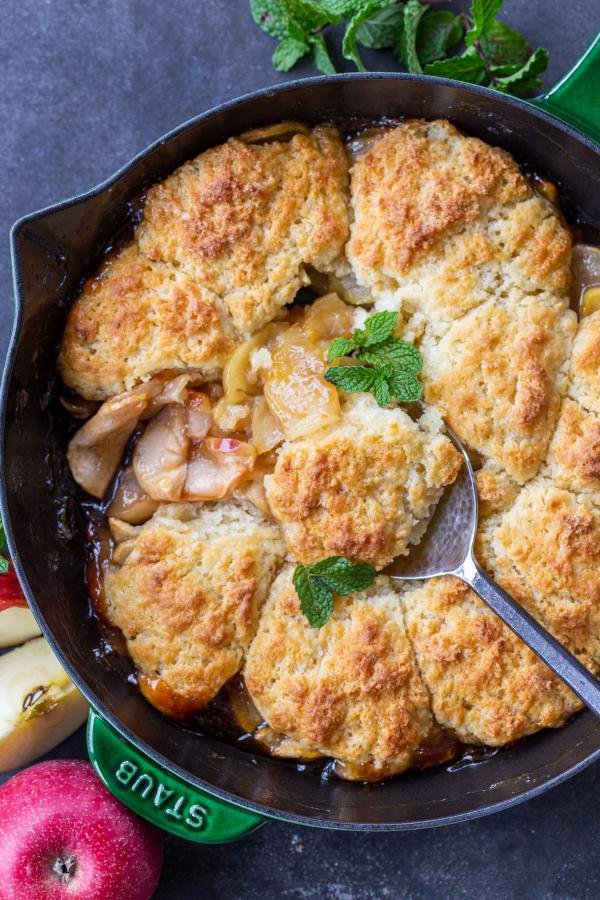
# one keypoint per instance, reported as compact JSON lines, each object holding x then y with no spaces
{"x":99,"y":553}
{"x":441,"y":747}
{"x":99,"y":550}
{"x":165,"y":699}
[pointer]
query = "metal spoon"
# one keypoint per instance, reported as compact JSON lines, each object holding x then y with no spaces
{"x":447,"y":549}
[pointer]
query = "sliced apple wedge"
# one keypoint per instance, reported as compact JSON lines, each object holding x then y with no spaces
{"x":17,"y":625}
{"x":16,"y":620}
{"x":39,"y":705}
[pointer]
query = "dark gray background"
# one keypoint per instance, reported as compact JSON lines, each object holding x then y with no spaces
{"x":84,"y":87}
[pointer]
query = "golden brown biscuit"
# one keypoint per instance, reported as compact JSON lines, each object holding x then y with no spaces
{"x":363,"y":487}
{"x":484,"y":682}
{"x":585,"y":365}
{"x":444,"y":222}
{"x":498,"y":376}
{"x":186,"y":593}
{"x":545,"y":551}
{"x":574,"y":454}
{"x":245,"y":219}
{"x":137,"y":318}
{"x":496,"y":490}
{"x":350,"y":689}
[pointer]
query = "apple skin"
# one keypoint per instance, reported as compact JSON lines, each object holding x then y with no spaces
{"x":60,"y":809}
{"x":16,"y":619}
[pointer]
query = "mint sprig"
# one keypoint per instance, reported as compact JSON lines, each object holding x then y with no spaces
{"x":383,"y":28}
{"x":317,"y":583}
{"x":483,"y":13}
{"x":423,"y":39}
{"x":392,"y":365}
{"x":495,"y":55}
{"x":361,"y":13}
{"x":406,"y":46}
{"x":437,"y":33}
{"x":503,"y":46}
{"x":469,"y":68}
{"x":298,"y":25}
{"x":525,"y":78}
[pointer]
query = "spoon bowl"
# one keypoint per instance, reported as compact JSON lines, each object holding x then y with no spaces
{"x":450,"y":533}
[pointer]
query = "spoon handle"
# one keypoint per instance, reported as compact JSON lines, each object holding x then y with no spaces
{"x":563,"y":663}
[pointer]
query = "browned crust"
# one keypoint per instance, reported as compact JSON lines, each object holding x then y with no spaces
{"x":545,"y":550}
{"x":424,"y":182}
{"x":244,"y":219}
{"x":137,"y":318}
{"x":499,"y":375}
{"x":188,"y":603}
{"x":359,"y":489}
{"x":350,"y":689}
{"x":485,"y":684}
{"x":574,"y":455}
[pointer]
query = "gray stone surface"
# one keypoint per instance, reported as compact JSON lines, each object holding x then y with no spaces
{"x":84,"y":87}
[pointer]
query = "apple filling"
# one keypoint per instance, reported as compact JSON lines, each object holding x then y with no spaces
{"x":192,"y":448}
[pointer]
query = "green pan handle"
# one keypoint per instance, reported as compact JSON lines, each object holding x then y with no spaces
{"x":169,"y":802}
{"x":576,"y":97}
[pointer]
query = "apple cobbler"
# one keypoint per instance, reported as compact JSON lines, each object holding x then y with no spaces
{"x":265,"y":367}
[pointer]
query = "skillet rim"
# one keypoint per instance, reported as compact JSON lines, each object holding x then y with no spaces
{"x":19,"y":304}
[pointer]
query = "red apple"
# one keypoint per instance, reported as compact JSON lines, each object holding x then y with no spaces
{"x":16,"y":620}
{"x":64,"y":835}
{"x":10,"y":590}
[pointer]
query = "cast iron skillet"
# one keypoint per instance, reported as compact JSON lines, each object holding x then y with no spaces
{"x":198,"y":787}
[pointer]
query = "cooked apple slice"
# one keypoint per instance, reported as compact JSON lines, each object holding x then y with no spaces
{"x":16,"y":620}
{"x":294,"y":388}
{"x":39,"y":705}
{"x":216,"y":467}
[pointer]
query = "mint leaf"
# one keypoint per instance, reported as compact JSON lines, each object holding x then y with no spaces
{"x":438,"y":31}
{"x":365,"y":9}
{"x":501,"y":71}
{"x":309,"y":14}
{"x":342,"y":7}
{"x":271,"y":16}
{"x":502,"y":46}
{"x":297,"y":24}
{"x":288,"y":53}
{"x":340,"y":347}
{"x":525,"y":79}
{"x":483,"y":13}
{"x":4,"y":565}
{"x":2,"y":535}
{"x":382,"y":29}
{"x":396,"y":352}
{"x":406,"y":47}
{"x":315,"y":585}
{"x":320,"y":55}
{"x":381,"y":388}
{"x":463,"y":68}
{"x":405,"y":386}
{"x":353,"y":379}
{"x":316,"y":599}
{"x":393,"y":364}
{"x":342,"y":575}
{"x":377,"y":328}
